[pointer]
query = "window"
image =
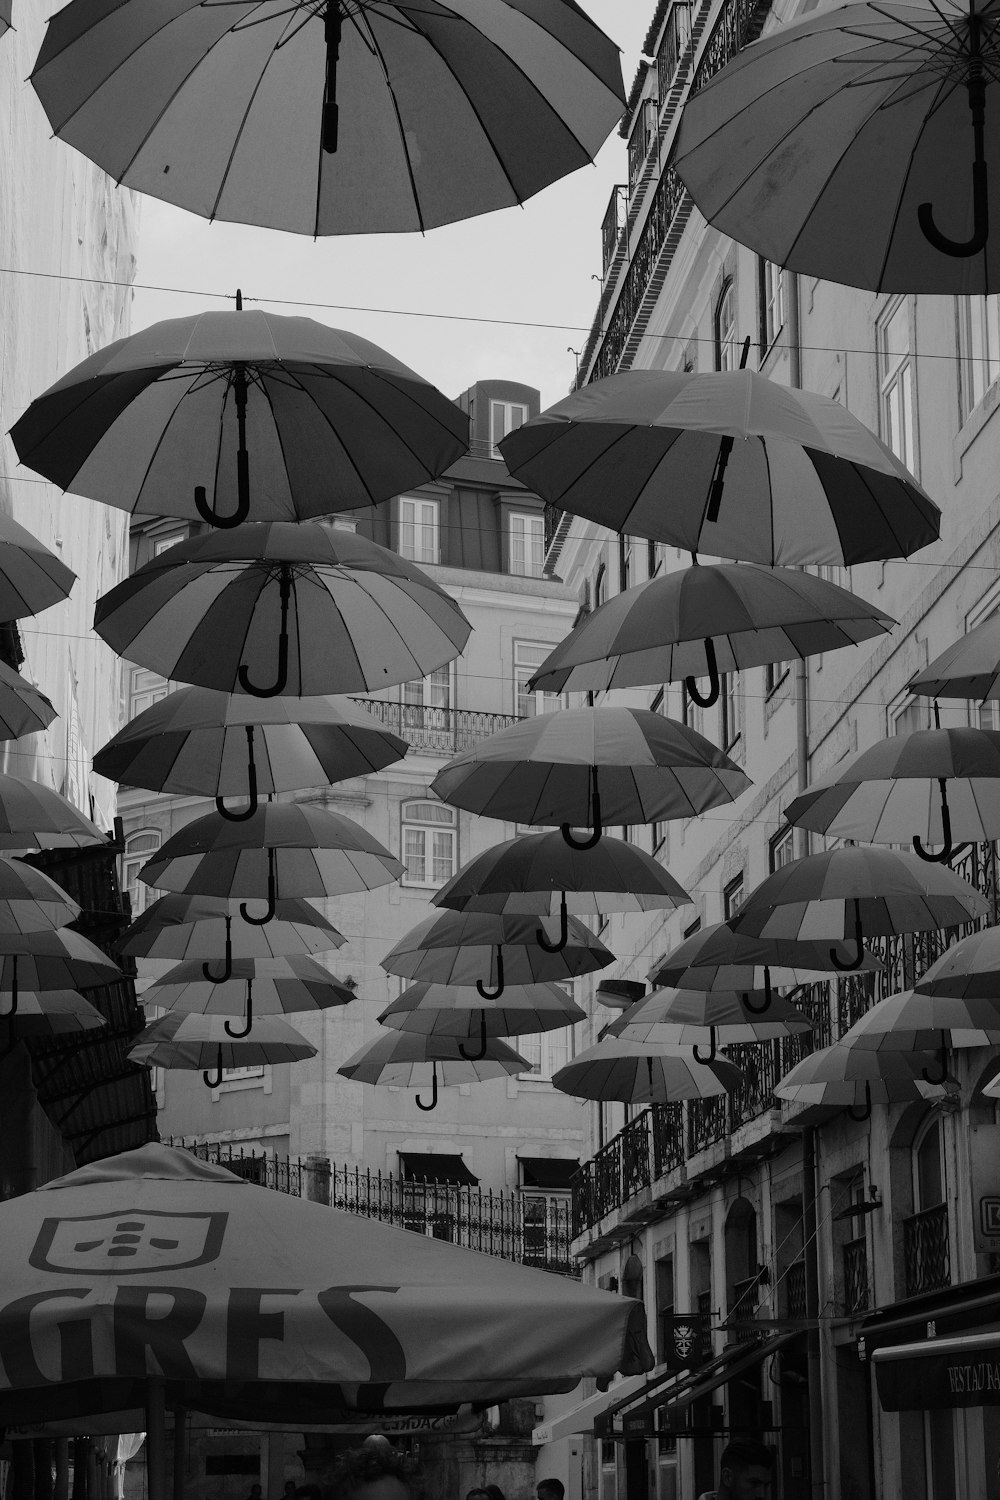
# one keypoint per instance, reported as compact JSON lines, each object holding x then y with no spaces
{"x":624,"y":563}
{"x":427,"y":693}
{"x":727,"y":356}
{"x":676,"y":36}
{"x":771,"y":302}
{"x":654,"y":559}
{"x":505,"y":416}
{"x":599,"y":586}
{"x":419,"y":530}
{"x":692,"y":714}
{"x":164,"y":543}
{"x":979,"y":348}
{"x":692,"y":928}
{"x":639,"y":141}
{"x":775,"y":673}
{"x":144,"y":689}
{"x":907,"y":715}
{"x":528,"y":657}
{"x":243,"y":1075}
{"x":732,"y":897}
{"x":731,"y":709}
{"x":428,"y":843}
{"x":545,"y":1051}
{"x":897,"y":383}
{"x":526,"y":545}
{"x":928,"y":1167}
{"x":139,"y":847}
{"x":781,"y":850}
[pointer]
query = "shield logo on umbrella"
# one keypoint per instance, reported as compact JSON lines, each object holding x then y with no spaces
{"x":128,"y":1243}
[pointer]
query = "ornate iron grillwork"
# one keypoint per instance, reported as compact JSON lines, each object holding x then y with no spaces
{"x":857,"y":1297}
{"x":436,"y":731}
{"x":795,"y":1289}
{"x":668,"y":1137}
{"x":926,"y":1256}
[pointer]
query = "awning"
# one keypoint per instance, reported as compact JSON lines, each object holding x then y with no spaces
{"x":548,"y":1172}
{"x":702,"y":1382}
{"x":936,"y":1373}
{"x":941,"y":1313}
{"x":581,"y":1418}
{"x":421,"y":1166}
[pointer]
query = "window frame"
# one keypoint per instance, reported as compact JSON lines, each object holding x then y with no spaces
{"x":727,"y":353}
{"x":507,"y":408}
{"x":409,"y":824}
{"x":897,"y":383}
{"x":139,"y":893}
{"x":533,"y":531}
{"x":551,"y":1057}
{"x":770,"y":303}
{"x":783,"y":840}
{"x":419,"y":527}
{"x":975,"y":381}
{"x":538,"y":702}
{"x":733,"y":896}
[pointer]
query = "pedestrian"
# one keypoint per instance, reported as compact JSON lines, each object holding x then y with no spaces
{"x":550,"y":1489}
{"x":744,"y":1471}
{"x":375,"y":1471}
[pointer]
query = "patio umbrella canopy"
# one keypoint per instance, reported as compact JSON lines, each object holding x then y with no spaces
{"x":31,"y":577}
{"x":30,"y":901}
{"x":703,"y":621}
{"x":235,"y":416}
{"x":858,"y":116}
{"x":34,"y":816}
{"x":243,"y":610}
{"x":203,"y":743}
{"x":208,"y":927}
{"x":970,"y":668}
{"x":643,"y":1073}
{"x":23,"y":708}
{"x":350,"y":120}
{"x":968,"y":970}
{"x":730,"y":464}
{"x":459,"y":1011}
{"x":478,"y":948}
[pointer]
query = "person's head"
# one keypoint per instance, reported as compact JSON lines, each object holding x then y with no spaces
{"x":550,"y":1489}
{"x":745,"y":1470}
{"x":495,"y":1492}
{"x":375,"y":1471}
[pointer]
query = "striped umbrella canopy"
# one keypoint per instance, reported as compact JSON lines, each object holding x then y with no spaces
{"x":255,"y":987}
{"x":201,"y":1042}
{"x":204,"y":743}
{"x":208,"y":928}
{"x":244,"y":611}
{"x":968,"y":970}
{"x":654,"y":453}
{"x":643,"y":1073}
{"x":6,"y":9}
{"x":851,"y":1076}
{"x":969,"y":668}
{"x":931,"y":787}
{"x":704,"y":1018}
{"x":488,"y":951}
{"x":45,"y":1013}
{"x":589,"y":766}
{"x":59,"y":959}
{"x":912,"y":1022}
{"x":707,"y":620}
{"x":34,"y":816}
{"x":540,"y":873}
{"x":291,"y":849}
{"x":23,"y":708}
{"x":31,"y":577}
{"x":405,"y":1059}
{"x":233,"y":416}
{"x":716,"y":957}
{"x":450,"y":1010}
{"x":30,"y":901}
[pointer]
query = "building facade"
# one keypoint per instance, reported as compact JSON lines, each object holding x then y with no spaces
{"x":778,"y":1249}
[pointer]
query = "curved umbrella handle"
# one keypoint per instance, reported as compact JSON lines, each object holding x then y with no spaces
{"x":846,"y":966}
{"x":541,"y":937}
{"x":236,"y":1033}
{"x":272,"y":897}
{"x":227,"y":963}
{"x":281,"y":681}
{"x":595,"y":822}
{"x":493,"y":994}
{"x":866,"y":1111}
{"x":246,"y":812}
{"x":712,"y":1048}
{"x":212,"y":517}
{"x":944,"y":855}
{"x":212,"y":1080}
{"x":758,"y":1010}
{"x":434,"y":1092}
{"x":961,"y":249}
{"x":476,"y":1056}
{"x":706,"y":700}
{"x":942,"y":1062}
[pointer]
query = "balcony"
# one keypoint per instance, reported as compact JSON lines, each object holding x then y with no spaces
{"x":926,"y":1256}
{"x":795,"y":1289}
{"x":743,"y":1305}
{"x":857,"y":1295}
{"x":436,"y":731}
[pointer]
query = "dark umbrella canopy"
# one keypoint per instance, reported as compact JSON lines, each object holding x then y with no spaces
{"x":463,"y":948}
{"x":30,"y":901}
{"x":175,"y":928}
{"x":404,"y":1059}
{"x":178,"y":1040}
{"x":969,"y":668}
{"x":644,"y":1073}
{"x":730,"y":464}
{"x":257,"y":987}
{"x":23,"y":709}
{"x":459,"y":1011}
{"x":716,"y":957}
{"x":57,"y":960}
{"x":31,"y":577}
{"x":32,"y":814}
{"x":439,"y":109}
{"x":846,"y":1076}
{"x":332,"y":422}
{"x":968,"y":970}
{"x":695,"y":1015}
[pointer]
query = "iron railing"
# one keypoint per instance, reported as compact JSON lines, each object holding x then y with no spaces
{"x":436,"y":731}
{"x":926,"y":1254}
{"x":794,"y":1280}
{"x":857,"y":1294}
{"x":676,"y":36}
{"x":743,"y":1306}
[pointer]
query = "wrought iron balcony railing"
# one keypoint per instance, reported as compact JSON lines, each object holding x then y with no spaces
{"x":794,"y":1281}
{"x":743,"y":1305}
{"x":926,"y":1253}
{"x":436,"y":731}
{"x":857,"y":1294}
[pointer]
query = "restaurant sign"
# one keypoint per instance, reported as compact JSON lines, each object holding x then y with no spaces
{"x":927,"y":1382}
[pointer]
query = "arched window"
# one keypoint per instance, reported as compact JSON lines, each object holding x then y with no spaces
{"x":928,"y":1167}
{"x":429,"y":838}
{"x":727,"y":355}
{"x":139,"y":847}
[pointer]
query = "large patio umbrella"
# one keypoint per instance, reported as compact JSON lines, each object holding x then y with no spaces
{"x":207,"y":928}
{"x":694,"y":1017}
{"x":30,"y":900}
{"x":33,"y":815}
{"x":644,"y":1073}
{"x":847,"y":1077}
{"x":968,"y":970}
{"x":969,"y":668}
{"x":23,"y":708}
{"x":716,"y":957}
{"x":291,"y":849}
{"x":203,"y":743}
{"x":851,"y":893}
{"x":407,"y":1059}
{"x":731,"y":464}
{"x":933,"y":786}
{"x":349,"y":120}
{"x":202,"y":1043}
{"x":912,"y":1022}
{"x":482,"y":949}
{"x":591,"y":766}
{"x":703,"y":621}
{"x":232,"y":416}
{"x":451,"y":1010}
{"x":255,"y":987}
{"x":858,"y":116}
{"x":244,"y":610}
{"x":32,"y":578}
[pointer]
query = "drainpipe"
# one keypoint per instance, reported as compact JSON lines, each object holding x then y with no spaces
{"x":813,"y":1357}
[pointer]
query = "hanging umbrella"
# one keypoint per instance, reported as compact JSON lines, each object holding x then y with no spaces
{"x":232,"y":416}
{"x":859,"y":116}
{"x":685,"y":1017}
{"x":703,"y":621}
{"x":233,"y":609}
{"x":198,"y":1042}
{"x":209,"y":928}
{"x":293,"y":848}
{"x":654,"y":453}
{"x":255,"y":987}
{"x":968,"y":970}
{"x":30,"y":901}
{"x":970,"y":668}
{"x":716,"y":957}
{"x":457,"y":1011}
{"x":591,"y":766}
{"x":404,"y":1059}
{"x":34,"y":816}
{"x":638,"y":1073}
{"x":480,"y":949}
{"x":31,"y":577}
{"x":6,"y":9}
{"x":350,"y":120}
{"x":911,"y":1022}
{"x":49,"y":1013}
{"x":60,"y":960}
{"x":846,"y":1077}
{"x":848,"y":894}
{"x":931,"y":786}
{"x":23,"y":708}
{"x":203,"y":743}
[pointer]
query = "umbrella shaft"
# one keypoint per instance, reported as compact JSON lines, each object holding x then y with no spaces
{"x":332,"y":25}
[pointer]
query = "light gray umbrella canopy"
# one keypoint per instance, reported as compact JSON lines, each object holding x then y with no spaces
{"x":176,"y":928}
{"x":716,"y":957}
{"x":914,"y":1022}
{"x":256,"y":987}
{"x":448,"y":1010}
{"x":547,"y":769}
{"x":643,"y":1073}
{"x":437,"y":112}
{"x":330,"y":421}
{"x":730,"y":464}
{"x":403,"y":1059}
{"x":968,"y":970}
{"x":536,"y":872}
{"x":859,"y":116}
{"x":969,"y":668}
{"x":30,"y":901}
{"x":35,"y":816}
{"x":698,"y":1016}
{"x":191,"y":1041}
{"x":715,"y":618}
{"x":245,"y":610}
{"x":466,"y":948}
{"x":843,"y":1076}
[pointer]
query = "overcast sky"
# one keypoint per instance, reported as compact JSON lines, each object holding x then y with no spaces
{"x":522,"y":265}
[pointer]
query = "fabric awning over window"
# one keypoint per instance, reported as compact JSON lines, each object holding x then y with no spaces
{"x":547,"y":1172}
{"x":939,"y":1373}
{"x":426,"y":1167}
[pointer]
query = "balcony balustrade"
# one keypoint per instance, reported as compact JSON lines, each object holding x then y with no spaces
{"x":926,"y":1253}
{"x":743,"y":1306}
{"x":794,"y":1281}
{"x":436,"y":731}
{"x":857,"y":1294}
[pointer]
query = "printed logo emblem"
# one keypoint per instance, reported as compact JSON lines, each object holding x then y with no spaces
{"x":989,"y":1215}
{"x":685,"y":1339}
{"x":129,"y":1243}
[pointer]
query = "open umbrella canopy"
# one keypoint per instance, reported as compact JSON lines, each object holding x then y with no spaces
{"x":716,"y":957}
{"x":45,"y":1013}
{"x":730,"y":464}
{"x":699,"y":1016}
{"x":23,"y":708}
{"x":845,"y":1076}
{"x":407,"y":1059}
{"x":580,"y":767}
{"x":33,"y":815}
{"x":193,"y":1042}
{"x":857,"y":116}
{"x":204,"y":743}
{"x":969,"y":668}
{"x":644,"y":1073}
{"x":247,"y":415}
{"x":449,"y":1010}
{"x":934,"y":786}
{"x":378,"y":118}
{"x":470,"y":948}
{"x":54,"y":960}
{"x":968,"y":970}
{"x":31,"y":577}
{"x":703,"y":621}
{"x":913,"y":1022}
{"x":30,"y":901}
{"x":208,"y":927}
{"x":537,"y":872}
{"x":255,"y":987}
{"x":243,"y":610}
